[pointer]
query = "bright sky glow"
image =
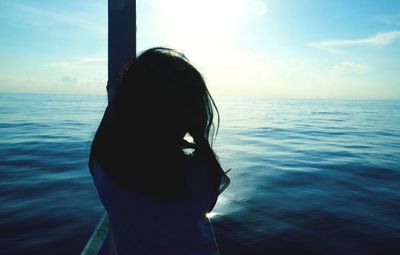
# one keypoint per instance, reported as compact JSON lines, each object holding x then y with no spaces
{"x":270,"y":48}
{"x":190,"y":21}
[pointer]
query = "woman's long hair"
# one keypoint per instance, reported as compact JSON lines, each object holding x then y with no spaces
{"x":139,"y":141}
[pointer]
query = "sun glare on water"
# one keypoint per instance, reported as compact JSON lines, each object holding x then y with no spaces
{"x":211,"y":215}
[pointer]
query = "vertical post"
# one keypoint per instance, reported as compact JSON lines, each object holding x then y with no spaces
{"x":121,"y":39}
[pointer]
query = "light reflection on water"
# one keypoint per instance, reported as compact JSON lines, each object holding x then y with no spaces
{"x":308,"y":176}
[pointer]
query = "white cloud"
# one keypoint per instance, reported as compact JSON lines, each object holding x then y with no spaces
{"x":69,"y":79}
{"x":84,"y":72}
{"x":39,"y":18}
{"x":389,"y":19}
{"x":81,"y":63}
{"x":336,"y":46}
{"x":348,"y":68}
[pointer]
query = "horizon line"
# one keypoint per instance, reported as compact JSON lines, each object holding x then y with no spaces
{"x":214,"y":96}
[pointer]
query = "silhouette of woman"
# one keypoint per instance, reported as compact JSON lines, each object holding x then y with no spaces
{"x":156,"y":186}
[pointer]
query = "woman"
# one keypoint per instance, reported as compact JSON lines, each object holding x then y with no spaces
{"x":156,"y":193}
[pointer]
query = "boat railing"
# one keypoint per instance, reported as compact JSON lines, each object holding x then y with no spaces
{"x":96,"y":239}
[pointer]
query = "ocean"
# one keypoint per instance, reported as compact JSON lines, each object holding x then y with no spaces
{"x":308,"y":176}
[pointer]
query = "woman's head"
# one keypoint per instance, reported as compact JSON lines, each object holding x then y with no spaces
{"x":166,"y":96}
{"x":160,"y":98}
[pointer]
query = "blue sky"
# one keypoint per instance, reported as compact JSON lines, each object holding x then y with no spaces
{"x":270,"y":48}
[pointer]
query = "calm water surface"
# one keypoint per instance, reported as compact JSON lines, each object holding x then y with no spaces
{"x":308,"y":176}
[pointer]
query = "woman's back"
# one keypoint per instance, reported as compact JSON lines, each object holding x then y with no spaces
{"x":146,"y":225}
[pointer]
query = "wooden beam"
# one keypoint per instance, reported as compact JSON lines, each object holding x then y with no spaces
{"x":121,"y":39}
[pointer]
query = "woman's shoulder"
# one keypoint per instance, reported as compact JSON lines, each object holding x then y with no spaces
{"x":199,"y":167}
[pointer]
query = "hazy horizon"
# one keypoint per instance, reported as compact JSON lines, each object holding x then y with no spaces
{"x":216,"y":97}
{"x":306,"y":49}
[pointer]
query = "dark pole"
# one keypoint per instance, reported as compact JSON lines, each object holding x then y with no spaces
{"x":121,"y":39}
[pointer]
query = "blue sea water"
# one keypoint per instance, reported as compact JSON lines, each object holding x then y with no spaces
{"x":308,"y":176}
